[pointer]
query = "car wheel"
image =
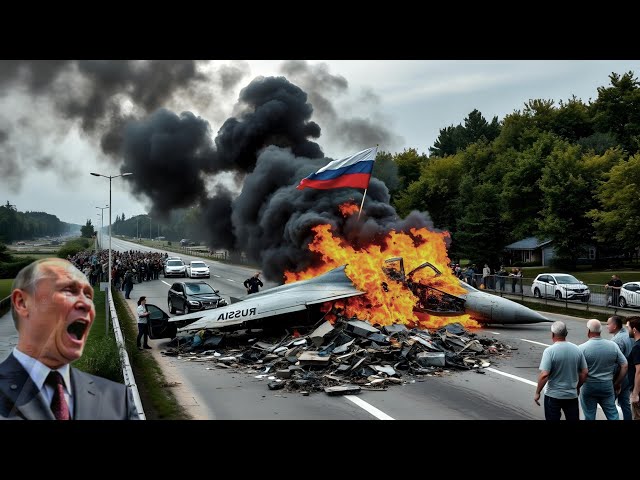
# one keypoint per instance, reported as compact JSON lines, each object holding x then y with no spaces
{"x":186,"y":310}
{"x":536,"y":293}
{"x":558,"y":295}
{"x":622,"y":302}
{"x":172,"y":309}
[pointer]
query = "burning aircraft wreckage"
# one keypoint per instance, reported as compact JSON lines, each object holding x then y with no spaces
{"x":364,"y":321}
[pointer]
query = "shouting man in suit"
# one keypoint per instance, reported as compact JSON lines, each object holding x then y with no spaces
{"x":52,"y":308}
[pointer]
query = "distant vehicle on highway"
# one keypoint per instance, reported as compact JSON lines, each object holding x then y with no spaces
{"x":197,"y":269}
{"x":175,"y":268}
{"x":20,"y":243}
{"x":561,"y":286}
{"x":193,"y":296}
{"x":629,"y":295}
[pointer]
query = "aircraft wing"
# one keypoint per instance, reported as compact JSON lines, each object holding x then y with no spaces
{"x":292,"y":297}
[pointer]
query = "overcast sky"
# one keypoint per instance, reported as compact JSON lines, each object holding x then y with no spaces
{"x":61,"y":120}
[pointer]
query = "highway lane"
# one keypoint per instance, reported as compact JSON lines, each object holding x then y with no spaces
{"x":503,"y":391}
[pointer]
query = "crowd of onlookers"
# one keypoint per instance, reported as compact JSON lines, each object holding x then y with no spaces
{"x":134,"y":264}
{"x":488,"y":278}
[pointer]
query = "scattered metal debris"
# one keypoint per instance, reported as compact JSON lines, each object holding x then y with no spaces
{"x":344,"y":357}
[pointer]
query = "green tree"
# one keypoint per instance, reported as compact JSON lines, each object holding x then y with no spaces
{"x":453,"y":139}
{"x":386,"y":169}
{"x":618,"y":219}
{"x":409,"y":163}
{"x":567,"y":198}
{"x":617,"y":110}
{"x":87,"y":230}
{"x":436,"y":192}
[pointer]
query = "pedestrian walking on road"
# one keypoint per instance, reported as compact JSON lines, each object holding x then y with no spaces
{"x":252,"y":283}
{"x":563,"y":369}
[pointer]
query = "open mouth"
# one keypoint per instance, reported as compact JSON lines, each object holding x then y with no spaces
{"x":77,"y":328}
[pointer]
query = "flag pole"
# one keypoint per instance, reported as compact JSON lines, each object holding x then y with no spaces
{"x":360,"y":211}
{"x":365,"y":190}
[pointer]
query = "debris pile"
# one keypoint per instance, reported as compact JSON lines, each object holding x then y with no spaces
{"x":344,"y":357}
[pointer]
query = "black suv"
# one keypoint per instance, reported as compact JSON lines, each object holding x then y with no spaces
{"x":193,"y":296}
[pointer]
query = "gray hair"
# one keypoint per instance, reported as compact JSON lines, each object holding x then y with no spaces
{"x":559,"y":329}
{"x":28,"y":278}
{"x":594,"y":326}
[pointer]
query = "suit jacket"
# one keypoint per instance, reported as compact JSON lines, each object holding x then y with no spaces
{"x":94,"y":398}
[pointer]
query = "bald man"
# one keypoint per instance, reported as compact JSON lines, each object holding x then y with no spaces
{"x":52,"y":309}
{"x":603,"y":358}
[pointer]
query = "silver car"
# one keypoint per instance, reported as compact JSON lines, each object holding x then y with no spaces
{"x":561,"y":286}
{"x":175,"y":268}
{"x":198,"y":269}
{"x":629,"y":295}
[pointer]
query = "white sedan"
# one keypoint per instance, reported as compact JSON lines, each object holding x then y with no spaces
{"x":197,"y":269}
{"x":629,"y":295}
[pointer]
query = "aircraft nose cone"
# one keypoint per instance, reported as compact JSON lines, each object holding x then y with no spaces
{"x":489,"y":308}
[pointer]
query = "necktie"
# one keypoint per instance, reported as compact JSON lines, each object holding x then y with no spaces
{"x":59,"y":405}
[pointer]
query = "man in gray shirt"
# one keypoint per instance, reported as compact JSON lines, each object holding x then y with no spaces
{"x":625,"y":343}
{"x":602,"y":357}
{"x":563,"y":369}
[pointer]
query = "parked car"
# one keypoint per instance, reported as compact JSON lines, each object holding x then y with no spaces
{"x":175,"y":268}
{"x":193,"y":296}
{"x":561,"y":286}
{"x":198,"y":268}
{"x":629,"y":295}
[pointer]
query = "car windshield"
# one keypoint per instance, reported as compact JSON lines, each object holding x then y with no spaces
{"x":566,"y":279}
{"x":196,"y":288}
{"x":175,"y":263}
{"x":198,"y":265}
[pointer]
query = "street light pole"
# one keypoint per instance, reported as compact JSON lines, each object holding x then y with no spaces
{"x":110,"y":177}
{"x":149,"y":228}
{"x":102,"y":226}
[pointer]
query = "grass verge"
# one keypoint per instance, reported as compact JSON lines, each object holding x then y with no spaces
{"x":5,"y":287}
{"x":100,"y":356}
{"x":158,"y":401}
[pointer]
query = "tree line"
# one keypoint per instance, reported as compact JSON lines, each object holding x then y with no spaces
{"x":15,"y":225}
{"x":568,"y":172}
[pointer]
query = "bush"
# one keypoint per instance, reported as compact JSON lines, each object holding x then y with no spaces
{"x":74,"y":246}
{"x":11,"y":269}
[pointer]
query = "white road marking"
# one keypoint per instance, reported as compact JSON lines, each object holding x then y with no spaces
{"x":379,"y":414}
{"x":231,"y":279}
{"x":515,"y":377}
{"x":537,"y":343}
{"x":495,"y":333}
{"x":217,"y":276}
{"x":168,"y":284}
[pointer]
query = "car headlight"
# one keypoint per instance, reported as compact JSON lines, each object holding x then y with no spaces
{"x":194,"y":303}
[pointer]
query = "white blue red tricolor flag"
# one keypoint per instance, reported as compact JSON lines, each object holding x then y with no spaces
{"x":353,"y":171}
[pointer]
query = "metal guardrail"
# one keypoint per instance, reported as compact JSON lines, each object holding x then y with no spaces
{"x":520,"y":287}
{"x":5,"y":305}
{"x":127,"y":372}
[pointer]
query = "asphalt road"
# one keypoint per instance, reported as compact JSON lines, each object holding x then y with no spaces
{"x":503,"y":392}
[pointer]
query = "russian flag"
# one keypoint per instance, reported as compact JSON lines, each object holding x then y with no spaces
{"x":354,"y":171}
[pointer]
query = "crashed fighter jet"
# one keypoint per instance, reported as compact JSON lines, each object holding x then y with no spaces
{"x":301,"y":301}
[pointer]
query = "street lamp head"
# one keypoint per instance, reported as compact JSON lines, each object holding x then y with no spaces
{"x":96,"y":174}
{"x":125,"y":174}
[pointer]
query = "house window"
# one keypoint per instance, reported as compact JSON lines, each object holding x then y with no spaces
{"x":592,"y":253}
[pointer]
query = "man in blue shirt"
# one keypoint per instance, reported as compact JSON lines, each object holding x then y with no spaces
{"x":563,"y":369}
{"x":625,"y":343}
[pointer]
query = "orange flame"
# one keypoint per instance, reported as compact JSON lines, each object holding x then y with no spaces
{"x":364,"y":269}
{"x":347,"y":209}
